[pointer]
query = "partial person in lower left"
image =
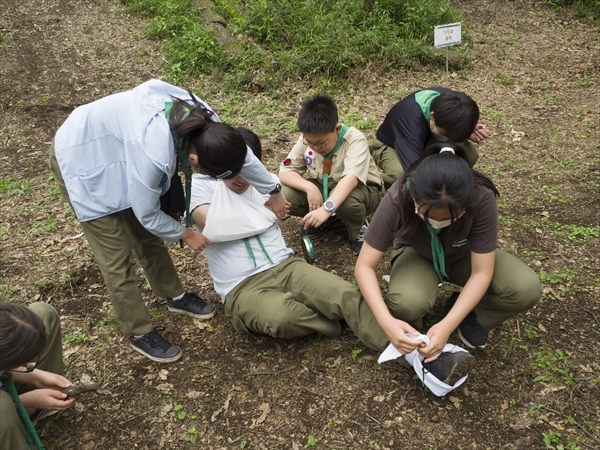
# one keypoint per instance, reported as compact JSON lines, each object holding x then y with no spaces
{"x":31,"y":367}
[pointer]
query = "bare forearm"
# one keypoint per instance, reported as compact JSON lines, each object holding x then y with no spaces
{"x":343,"y":189}
{"x":295,"y":181}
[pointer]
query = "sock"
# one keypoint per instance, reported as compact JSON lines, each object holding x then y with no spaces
{"x":179,"y":297}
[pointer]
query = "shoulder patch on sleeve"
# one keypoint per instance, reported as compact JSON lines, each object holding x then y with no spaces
{"x":287,"y":162}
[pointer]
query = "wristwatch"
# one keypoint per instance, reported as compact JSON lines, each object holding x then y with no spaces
{"x":276,"y":189}
{"x":329,"y":206}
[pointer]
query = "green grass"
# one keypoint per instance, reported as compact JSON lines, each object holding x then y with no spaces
{"x":6,"y":292}
{"x":586,"y":9}
{"x":14,"y":187}
{"x":277,"y":40}
{"x":551,"y":367}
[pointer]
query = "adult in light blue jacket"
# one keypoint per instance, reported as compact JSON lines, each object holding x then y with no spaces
{"x":113,"y":159}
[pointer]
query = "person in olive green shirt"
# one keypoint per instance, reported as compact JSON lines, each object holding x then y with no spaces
{"x":329,"y":176}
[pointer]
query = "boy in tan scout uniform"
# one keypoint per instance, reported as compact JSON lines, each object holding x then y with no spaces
{"x":329,"y":176}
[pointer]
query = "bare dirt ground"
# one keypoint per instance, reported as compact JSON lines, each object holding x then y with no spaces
{"x":535,"y":75}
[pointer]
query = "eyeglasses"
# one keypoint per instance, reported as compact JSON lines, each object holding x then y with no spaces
{"x":316,"y":145}
{"x":28,"y":367}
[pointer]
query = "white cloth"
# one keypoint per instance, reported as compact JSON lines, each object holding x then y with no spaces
{"x":436,"y":386}
{"x":235,"y":216}
{"x":117,"y":153}
{"x":230,"y":262}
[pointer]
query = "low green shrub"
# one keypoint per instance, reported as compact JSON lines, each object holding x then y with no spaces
{"x":586,"y":9}
{"x":280,"y":40}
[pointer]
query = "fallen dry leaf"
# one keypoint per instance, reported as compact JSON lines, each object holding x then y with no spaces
{"x":225,"y":407}
{"x":266,"y":409}
{"x":455,"y":401}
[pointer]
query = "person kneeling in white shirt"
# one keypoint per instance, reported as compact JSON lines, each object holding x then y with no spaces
{"x":264,"y":288}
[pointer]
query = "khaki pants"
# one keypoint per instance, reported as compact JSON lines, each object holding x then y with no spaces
{"x":12,"y":433}
{"x":113,"y":240}
{"x":362,"y":201}
{"x":387,"y":159}
{"x":295,"y":299}
{"x":413,"y":290}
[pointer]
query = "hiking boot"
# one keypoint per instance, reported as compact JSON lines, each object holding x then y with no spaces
{"x":357,"y":243}
{"x":152,"y":345}
{"x":191,"y":305}
{"x":470,"y":331}
{"x":450,"y":367}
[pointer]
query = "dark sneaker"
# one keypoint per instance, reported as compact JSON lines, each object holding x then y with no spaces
{"x":310,"y":231}
{"x":152,"y":345}
{"x":470,"y":331}
{"x":357,"y":243}
{"x":333,"y":222}
{"x":191,"y":305}
{"x":329,"y":224}
{"x":450,"y":367}
{"x":40,"y":414}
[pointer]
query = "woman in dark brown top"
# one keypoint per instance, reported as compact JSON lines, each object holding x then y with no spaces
{"x":442,"y":219}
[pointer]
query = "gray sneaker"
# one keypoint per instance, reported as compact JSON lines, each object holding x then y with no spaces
{"x":191,"y":305}
{"x":41,"y":414}
{"x":358,"y":241}
{"x":450,"y":367}
{"x":155,"y":347}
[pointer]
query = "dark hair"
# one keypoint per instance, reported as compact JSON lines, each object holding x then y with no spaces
{"x":456,"y":113}
{"x":221,"y":150}
{"x":22,"y":335}
{"x":439,"y":180}
{"x":252,"y":141}
{"x":318,"y":115}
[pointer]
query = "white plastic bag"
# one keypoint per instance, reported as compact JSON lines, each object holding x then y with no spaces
{"x":233,"y":216}
{"x":437,"y":387}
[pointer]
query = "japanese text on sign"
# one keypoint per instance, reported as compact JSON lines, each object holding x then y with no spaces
{"x":446,"y":35}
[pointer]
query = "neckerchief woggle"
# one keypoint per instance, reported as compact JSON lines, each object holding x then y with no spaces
{"x":437,"y":250}
{"x":424,"y":99}
{"x":180,"y":149}
{"x":327,"y":161}
{"x":31,"y":436}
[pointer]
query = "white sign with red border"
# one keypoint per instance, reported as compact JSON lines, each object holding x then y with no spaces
{"x":447,"y":35}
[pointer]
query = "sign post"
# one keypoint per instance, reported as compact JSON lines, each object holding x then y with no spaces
{"x":446,"y":36}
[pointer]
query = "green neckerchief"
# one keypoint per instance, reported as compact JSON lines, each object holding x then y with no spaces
{"x":437,"y":250}
{"x":31,"y":436}
{"x":181,"y":150}
{"x":251,"y":253}
{"x":424,"y":99}
{"x":437,"y":253}
{"x":328,"y":156}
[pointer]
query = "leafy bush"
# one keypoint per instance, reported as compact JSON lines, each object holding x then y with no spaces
{"x":281,"y":39}
{"x":586,"y":9}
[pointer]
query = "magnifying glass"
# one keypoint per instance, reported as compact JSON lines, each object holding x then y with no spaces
{"x":308,"y":250}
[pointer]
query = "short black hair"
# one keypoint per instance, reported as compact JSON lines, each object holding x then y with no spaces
{"x":456,"y":113}
{"x":318,"y":115}
{"x":252,"y":141}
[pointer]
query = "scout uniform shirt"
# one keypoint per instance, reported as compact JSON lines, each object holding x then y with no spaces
{"x":352,"y":158}
{"x":406,"y":128}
